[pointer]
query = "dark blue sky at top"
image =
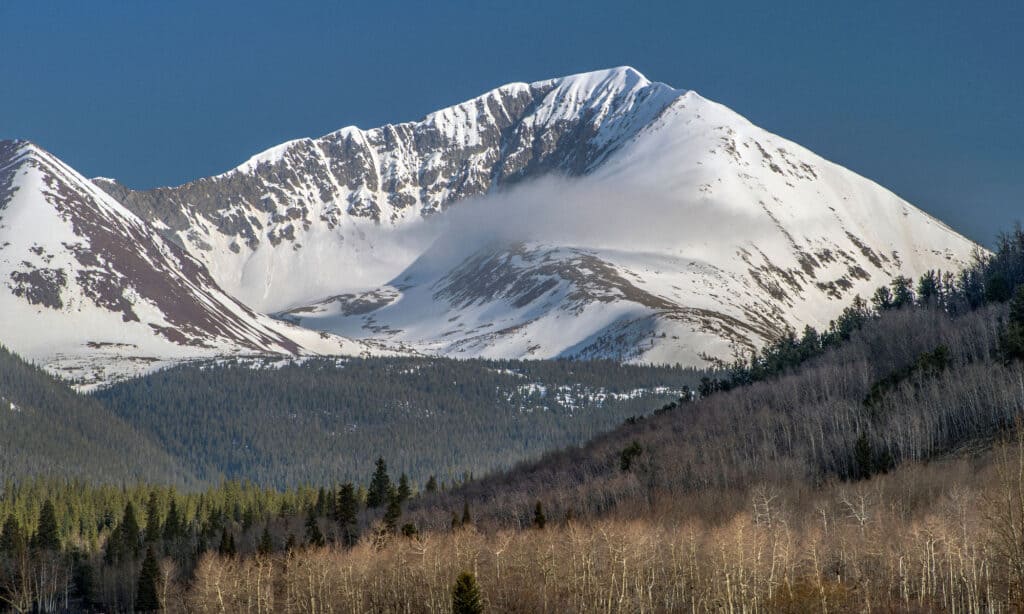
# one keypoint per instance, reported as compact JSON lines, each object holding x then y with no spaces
{"x":923,"y":97}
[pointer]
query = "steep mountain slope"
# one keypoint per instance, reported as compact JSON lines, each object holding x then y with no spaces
{"x":310,"y":217}
{"x":701,"y":237}
{"x":677,"y":230}
{"x":48,"y":429}
{"x":95,"y":293}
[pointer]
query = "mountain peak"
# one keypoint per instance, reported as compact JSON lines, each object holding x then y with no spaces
{"x":623,"y":76}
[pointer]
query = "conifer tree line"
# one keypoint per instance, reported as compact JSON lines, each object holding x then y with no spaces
{"x":285,"y":426}
{"x":117,"y":548}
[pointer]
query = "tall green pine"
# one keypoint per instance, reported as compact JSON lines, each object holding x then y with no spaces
{"x":129,"y":531}
{"x":466,"y":597}
{"x":153,"y":528}
{"x":314,"y":537}
{"x":404,"y":491}
{"x":47,"y":535}
{"x":393,"y":513}
{"x":380,"y":485}
{"x":147,"y":597}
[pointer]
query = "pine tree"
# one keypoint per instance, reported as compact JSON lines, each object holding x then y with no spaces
{"x":466,"y":595}
{"x":227,"y":544}
{"x":380,"y":485}
{"x":1011,"y":340}
{"x":466,"y":518}
{"x":863,"y":457}
{"x":321,"y":502}
{"x":147,"y":597}
{"x":313,"y":535}
{"x":431,"y":484}
{"x":393,"y":512}
{"x":404,"y":491}
{"x":902,"y":292}
{"x":345,"y":514}
{"x":47,"y":535}
{"x":266,"y":545}
{"x":928,"y":289}
{"x":153,"y":529}
{"x":173,"y":526}
{"x":882,"y":300}
{"x":12,"y":540}
{"x":347,"y":507}
{"x":129,"y":531}
{"x":538,"y":516}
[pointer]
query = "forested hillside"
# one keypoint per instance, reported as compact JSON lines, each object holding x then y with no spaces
{"x":324,"y":421}
{"x":48,"y":429}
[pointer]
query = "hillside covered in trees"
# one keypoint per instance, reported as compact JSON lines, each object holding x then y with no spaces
{"x":48,"y":429}
{"x":325,"y":421}
{"x":872,"y":466}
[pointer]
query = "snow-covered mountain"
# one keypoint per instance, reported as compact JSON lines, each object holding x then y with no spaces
{"x":595,"y":215}
{"x":95,"y":293}
{"x":676,"y":230}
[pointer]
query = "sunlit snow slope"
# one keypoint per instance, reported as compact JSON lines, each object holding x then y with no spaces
{"x":598,"y":215}
{"x":94,"y":293}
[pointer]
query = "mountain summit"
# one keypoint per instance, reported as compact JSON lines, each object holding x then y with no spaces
{"x":594,"y":215}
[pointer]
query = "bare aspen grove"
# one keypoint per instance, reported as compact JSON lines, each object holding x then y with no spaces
{"x":924,"y":538}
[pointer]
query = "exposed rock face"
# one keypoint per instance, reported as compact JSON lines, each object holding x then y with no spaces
{"x":80,"y":273}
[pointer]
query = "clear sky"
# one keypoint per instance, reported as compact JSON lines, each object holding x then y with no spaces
{"x":924,"y":97}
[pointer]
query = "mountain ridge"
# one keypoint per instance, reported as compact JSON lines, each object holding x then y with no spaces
{"x":598,"y":215}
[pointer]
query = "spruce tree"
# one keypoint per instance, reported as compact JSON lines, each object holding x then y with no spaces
{"x":153,"y":529}
{"x":147,"y":597}
{"x":47,"y":535}
{"x":882,"y":300}
{"x":347,"y":507}
{"x":266,"y":545}
{"x":129,"y":531}
{"x":466,"y":595}
{"x":321,"y":502}
{"x":345,"y":514}
{"x":12,"y":540}
{"x":380,"y":485}
{"x":173,"y":526}
{"x":404,"y":491}
{"x":863,"y":457}
{"x":466,"y":518}
{"x":902,"y":292}
{"x":431,"y":484}
{"x":313,"y":535}
{"x":393,"y":512}
{"x":1011,"y":340}
{"x":227,"y":544}
{"x":539,"y":520}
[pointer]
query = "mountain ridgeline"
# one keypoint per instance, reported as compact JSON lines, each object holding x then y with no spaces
{"x":575,"y":217}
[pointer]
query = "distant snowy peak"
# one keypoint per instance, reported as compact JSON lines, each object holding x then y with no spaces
{"x":82,"y":276}
{"x":259,"y":220}
{"x":601,"y":215}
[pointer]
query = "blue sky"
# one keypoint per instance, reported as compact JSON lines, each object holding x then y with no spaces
{"x":923,"y":97}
